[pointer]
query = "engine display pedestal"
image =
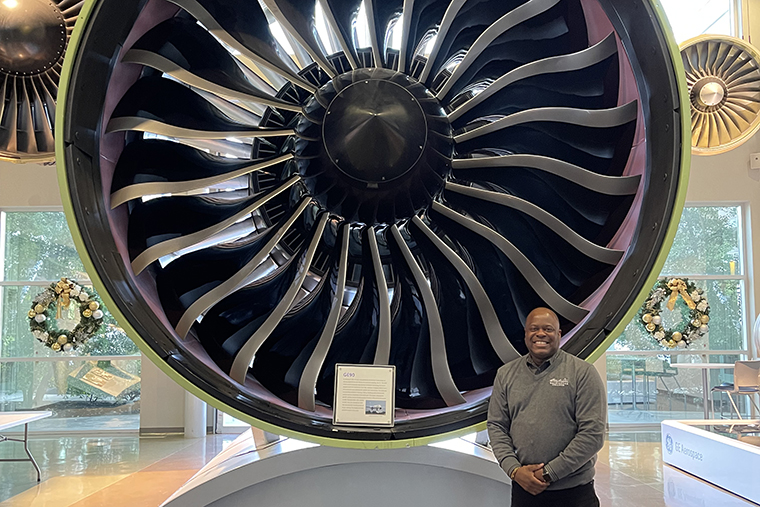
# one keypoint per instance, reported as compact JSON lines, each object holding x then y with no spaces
{"x":290,"y":472}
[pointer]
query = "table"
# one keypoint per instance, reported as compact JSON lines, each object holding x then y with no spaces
{"x":705,"y":383}
{"x":11,"y":419}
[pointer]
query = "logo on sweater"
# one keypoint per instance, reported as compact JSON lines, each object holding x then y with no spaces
{"x":559,"y":382}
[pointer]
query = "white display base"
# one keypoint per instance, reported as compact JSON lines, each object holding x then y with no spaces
{"x":720,"y":460}
{"x":291,"y":473}
{"x":685,"y":490}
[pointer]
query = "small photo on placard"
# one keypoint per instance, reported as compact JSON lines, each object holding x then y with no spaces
{"x":375,"y":407}
{"x":364,"y":395}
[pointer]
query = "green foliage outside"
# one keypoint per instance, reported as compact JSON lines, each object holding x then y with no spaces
{"x":39,"y":247}
{"x":708,"y":243}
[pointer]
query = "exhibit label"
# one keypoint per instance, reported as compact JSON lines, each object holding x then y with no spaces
{"x":364,"y":395}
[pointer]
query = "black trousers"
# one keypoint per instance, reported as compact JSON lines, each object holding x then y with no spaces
{"x":579,"y":496}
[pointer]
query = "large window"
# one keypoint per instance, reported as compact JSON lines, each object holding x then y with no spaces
{"x":36,"y":249}
{"x":690,"y":18}
{"x":642,"y":385}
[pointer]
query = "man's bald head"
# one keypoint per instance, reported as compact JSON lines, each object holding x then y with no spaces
{"x":542,"y":310}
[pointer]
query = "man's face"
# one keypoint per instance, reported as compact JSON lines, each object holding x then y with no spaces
{"x":542,"y":334}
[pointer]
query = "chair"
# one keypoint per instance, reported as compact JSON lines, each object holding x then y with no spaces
{"x":668,"y":372}
{"x":632,"y":368}
{"x":746,"y":375}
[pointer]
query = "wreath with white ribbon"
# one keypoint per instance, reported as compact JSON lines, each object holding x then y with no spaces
{"x":50,"y":305}
{"x":672,"y":290}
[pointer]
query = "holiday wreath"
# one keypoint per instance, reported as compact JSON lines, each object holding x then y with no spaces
{"x":51,"y":304}
{"x":698,"y":312}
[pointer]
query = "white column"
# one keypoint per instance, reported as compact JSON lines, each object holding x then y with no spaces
{"x":195,"y":416}
{"x":162,"y":401}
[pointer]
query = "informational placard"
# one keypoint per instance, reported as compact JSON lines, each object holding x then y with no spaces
{"x":364,"y":395}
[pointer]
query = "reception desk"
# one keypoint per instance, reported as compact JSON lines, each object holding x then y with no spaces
{"x":725,"y":453}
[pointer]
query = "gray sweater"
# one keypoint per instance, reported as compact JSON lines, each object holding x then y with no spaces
{"x":556,"y":417}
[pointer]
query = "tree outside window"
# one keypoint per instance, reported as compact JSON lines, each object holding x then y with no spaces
{"x":708,"y":250}
{"x":36,"y":248}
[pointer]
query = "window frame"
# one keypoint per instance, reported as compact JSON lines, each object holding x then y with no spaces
{"x":743,"y":215}
{"x":4,"y":210}
{"x":737,"y":20}
{"x":747,"y":293}
{"x":745,"y":278}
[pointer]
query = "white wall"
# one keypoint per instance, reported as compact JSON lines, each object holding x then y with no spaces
{"x":727,"y":178}
{"x":24,"y":185}
{"x":162,"y":401}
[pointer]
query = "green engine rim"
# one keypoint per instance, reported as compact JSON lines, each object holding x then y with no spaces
{"x":683,"y":183}
{"x":66,"y":76}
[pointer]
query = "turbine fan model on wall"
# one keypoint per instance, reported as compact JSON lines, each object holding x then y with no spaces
{"x":723,"y":74}
{"x":267,"y":189}
{"x":33,"y":39}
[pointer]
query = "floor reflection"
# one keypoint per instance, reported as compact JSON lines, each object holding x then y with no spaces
{"x":131,"y":471}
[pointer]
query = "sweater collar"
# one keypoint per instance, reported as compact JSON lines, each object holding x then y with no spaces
{"x":545,"y":365}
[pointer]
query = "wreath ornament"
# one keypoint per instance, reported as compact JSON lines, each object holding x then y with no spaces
{"x":694,"y":298}
{"x":55,"y":302}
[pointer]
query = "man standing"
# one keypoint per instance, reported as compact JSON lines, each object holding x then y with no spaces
{"x":546,"y":420}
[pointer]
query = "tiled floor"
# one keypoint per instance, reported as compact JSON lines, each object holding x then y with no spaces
{"x":131,"y":471}
{"x":113,"y":471}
